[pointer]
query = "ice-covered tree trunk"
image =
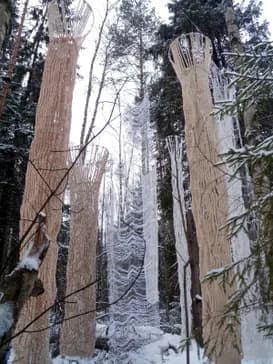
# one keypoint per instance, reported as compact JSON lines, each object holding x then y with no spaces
{"x":131,"y":268}
{"x":149,"y":202}
{"x":79,"y":334}
{"x":254,"y":345}
{"x":181,"y":243}
{"x":191,"y":58}
{"x":130,"y":312}
{"x":47,"y":167}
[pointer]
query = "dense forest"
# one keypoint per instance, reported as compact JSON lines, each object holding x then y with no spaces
{"x":135,"y":187}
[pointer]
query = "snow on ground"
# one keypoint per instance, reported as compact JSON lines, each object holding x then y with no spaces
{"x":161,"y":351}
{"x":165,"y":349}
{"x":157,"y":352}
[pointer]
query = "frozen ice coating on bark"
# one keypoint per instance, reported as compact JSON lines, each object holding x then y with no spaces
{"x":254,"y":345}
{"x":174,"y":145}
{"x":132,"y":244}
{"x":149,"y":200}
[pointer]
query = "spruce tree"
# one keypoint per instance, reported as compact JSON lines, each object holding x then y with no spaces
{"x":16,"y":130}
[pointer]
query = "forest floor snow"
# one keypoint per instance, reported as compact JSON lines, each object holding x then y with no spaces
{"x":164,"y":349}
{"x":161,"y":351}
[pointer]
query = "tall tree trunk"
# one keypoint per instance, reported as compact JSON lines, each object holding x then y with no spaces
{"x":85,"y":183}
{"x":47,"y":169}
{"x":209,"y":194}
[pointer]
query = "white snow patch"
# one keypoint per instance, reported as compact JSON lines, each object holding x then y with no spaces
{"x":72,"y":360}
{"x":158,"y":352}
{"x":29,"y":263}
{"x":101,"y":330}
{"x":6,"y":317}
{"x":11,"y":357}
{"x":198,"y":297}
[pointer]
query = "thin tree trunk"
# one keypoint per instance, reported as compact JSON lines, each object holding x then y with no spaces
{"x":91,"y":75}
{"x":196,"y":294}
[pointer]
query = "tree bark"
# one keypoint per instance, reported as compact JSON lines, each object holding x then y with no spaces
{"x":22,"y":283}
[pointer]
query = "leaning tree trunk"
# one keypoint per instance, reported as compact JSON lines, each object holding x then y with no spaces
{"x":191,"y":59}
{"x":46,"y":168}
{"x":78,"y":336}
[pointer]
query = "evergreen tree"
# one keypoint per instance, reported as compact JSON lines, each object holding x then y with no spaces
{"x":132,"y":37}
{"x":16,"y":130}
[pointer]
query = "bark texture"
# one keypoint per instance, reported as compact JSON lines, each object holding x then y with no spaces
{"x":46,"y":168}
{"x":78,"y":336}
{"x":191,"y":58}
{"x":20,"y":284}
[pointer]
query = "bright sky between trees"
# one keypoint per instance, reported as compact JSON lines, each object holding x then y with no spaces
{"x":81,"y":87}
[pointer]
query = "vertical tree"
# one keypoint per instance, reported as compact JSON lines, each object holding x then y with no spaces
{"x":16,"y":128}
{"x":187,"y":16}
{"x":47,"y":173}
{"x":209,"y":193}
{"x":132,"y":38}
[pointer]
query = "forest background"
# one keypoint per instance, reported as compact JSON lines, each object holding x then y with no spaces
{"x":17,"y":126}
